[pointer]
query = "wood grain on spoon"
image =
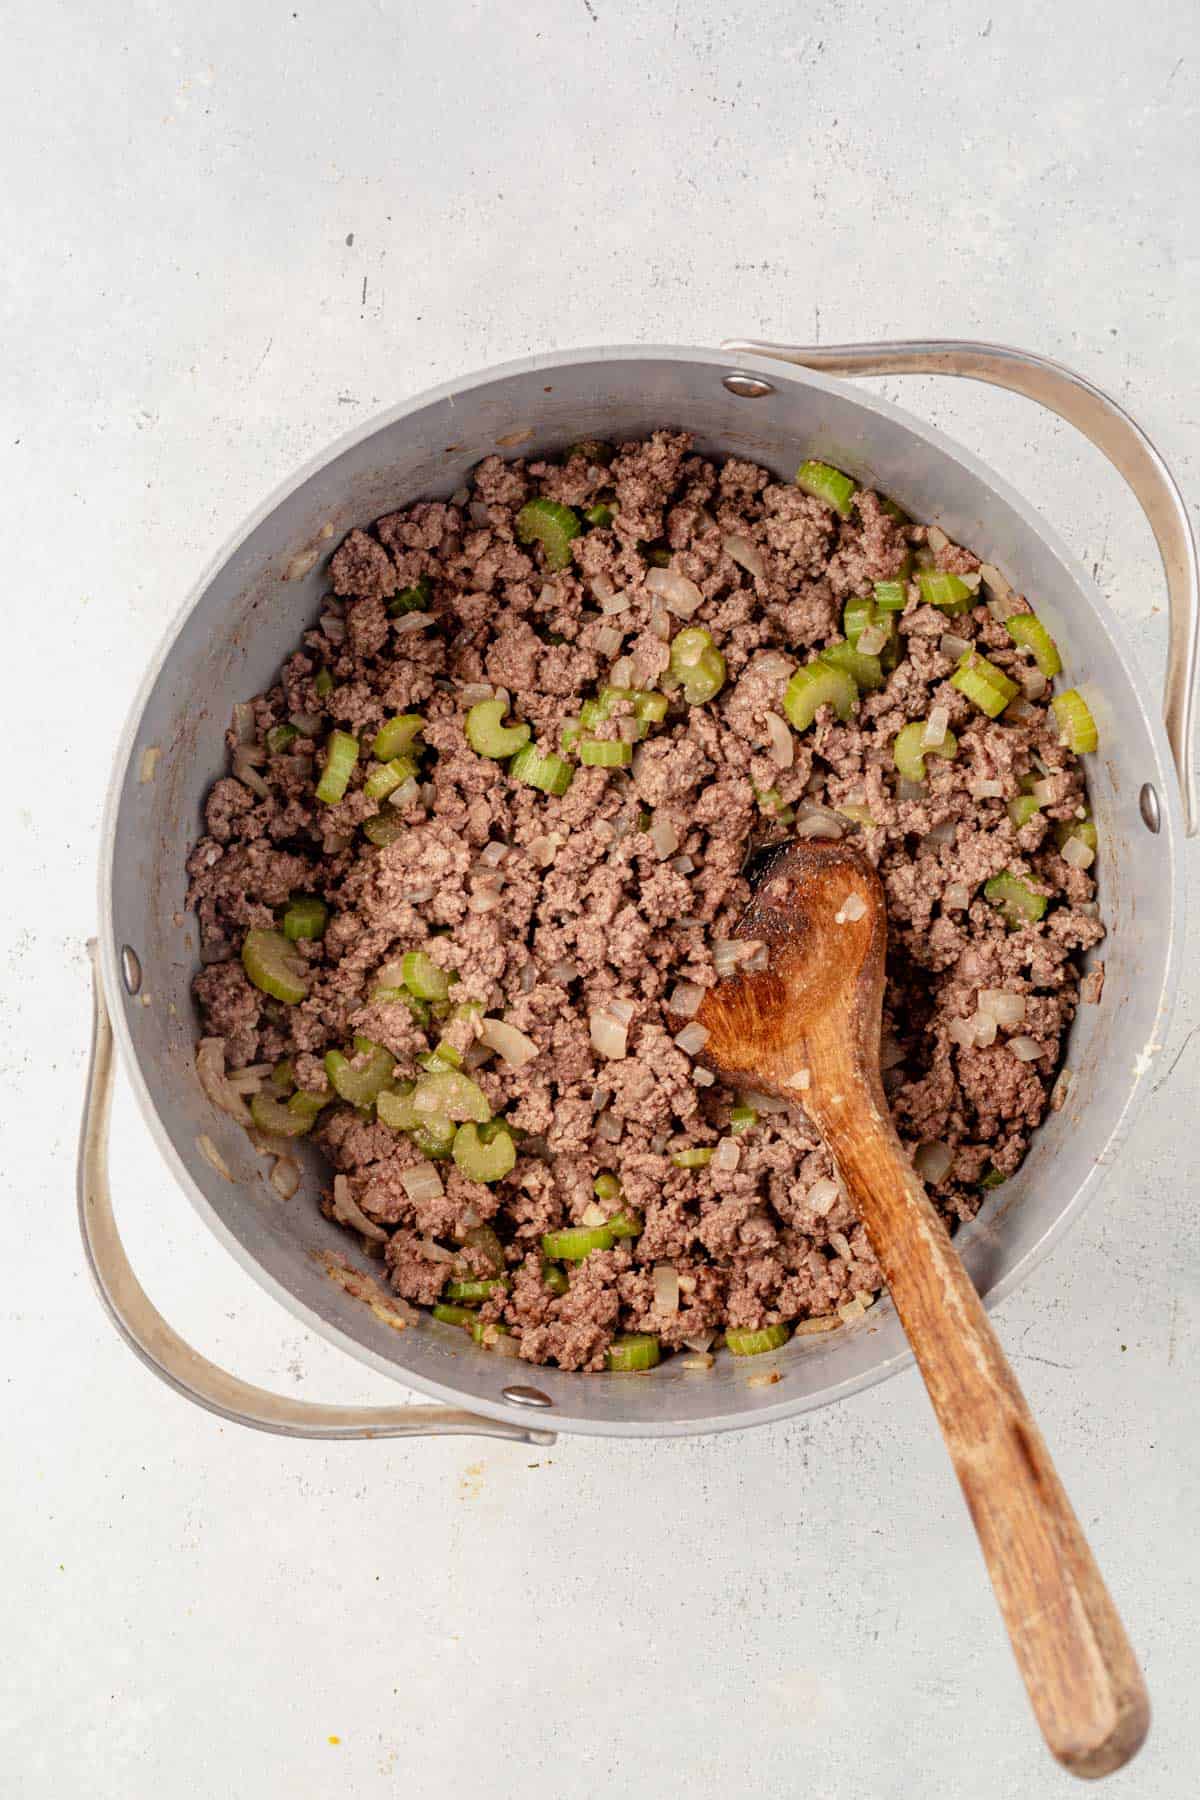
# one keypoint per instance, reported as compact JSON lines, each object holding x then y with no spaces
{"x":808,"y":1027}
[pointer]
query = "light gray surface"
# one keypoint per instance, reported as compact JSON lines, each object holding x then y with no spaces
{"x":196,"y":1612}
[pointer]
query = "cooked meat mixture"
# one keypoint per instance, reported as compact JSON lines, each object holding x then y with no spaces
{"x":483,"y":845}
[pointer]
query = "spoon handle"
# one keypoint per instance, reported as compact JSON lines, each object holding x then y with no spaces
{"x":1075,"y":1659}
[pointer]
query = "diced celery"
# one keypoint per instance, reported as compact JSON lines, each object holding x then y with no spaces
{"x":450,"y":1093}
{"x":385,"y":827}
{"x":341,"y":754}
{"x":1077,"y":727}
{"x":634,"y":1351}
{"x":396,"y":736}
{"x":948,"y":592}
{"x":545,"y":771}
{"x":281,"y":738}
{"x":909,"y":753}
{"x":552,"y":525}
{"x":694,"y":1158}
{"x":696,"y":665}
{"x":306,"y":917}
{"x":361,"y":1087}
{"x":753,"y":1343}
{"x":605,"y":753}
{"x":489,"y":736}
{"x":454,"y":1315}
{"x":1018,"y":902}
{"x":1027,"y":629}
{"x":412,"y":599}
{"x":829,"y":485}
{"x":576,"y":1242}
{"x":274,"y":966}
{"x":484,"y":1152}
{"x":422,"y":976}
{"x":1022,"y":808}
{"x":815,"y":685}
{"x":865,"y":671}
{"x":985,"y":686}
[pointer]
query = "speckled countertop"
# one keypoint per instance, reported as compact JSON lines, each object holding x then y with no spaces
{"x":233,"y":231}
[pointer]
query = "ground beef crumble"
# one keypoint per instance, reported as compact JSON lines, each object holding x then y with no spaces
{"x":584,"y":910}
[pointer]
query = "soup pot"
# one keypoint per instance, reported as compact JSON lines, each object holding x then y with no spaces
{"x":774,"y":405}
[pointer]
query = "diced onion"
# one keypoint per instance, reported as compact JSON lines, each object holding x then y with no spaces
{"x":679,"y":595}
{"x":421,"y":1182}
{"x":932,"y":1161}
{"x":410,"y":622}
{"x":210,"y":1067}
{"x":243,"y":722}
{"x":818,"y":823}
{"x":703,"y":1077}
{"x":663,"y":836}
{"x":1019,"y":710}
{"x":782,"y":743}
{"x":307,"y":724}
{"x":593,"y":1216}
{"x":956,"y":897}
{"x":853,"y":907}
{"x":479,"y":513}
{"x":406,"y":794}
{"x":727,"y":1155}
{"x":1007,"y":1009}
{"x":821,"y":1195}
{"x":609,"y":1036}
{"x":1078,"y":854}
{"x":872,"y":639}
{"x":285,"y":1176}
{"x":602,"y":587}
{"x":432,"y":1251}
{"x":347,"y":1209}
{"x":563,"y":972}
{"x":609,"y":640}
{"x":617,"y":603}
{"x":700,"y":1342}
{"x":622,"y":672}
{"x":950,"y":644}
{"x":1033,"y":683}
{"x":542,"y":850}
{"x":1060,"y":1090}
{"x":494,"y":853}
{"x":747,"y":555}
{"x":622,"y":1010}
{"x":1025,"y":1049}
{"x":692,"y":1039}
{"x":763,"y":1103}
{"x":985,"y":1030}
{"x":936,"y":727}
{"x":986,"y":790}
{"x":212,"y":1155}
{"x":333,"y":627}
{"x":666,"y":1288}
{"x":472,"y":692}
{"x":996,"y":584}
{"x":249,"y":776}
{"x":685,"y":998}
{"x":962,"y":1033}
{"x":936,"y":538}
{"x":609,"y":1127}
{"x":682,"y":865}
{"x":660,"y":624}
{"x":513,"y":1045}
{"x":943,"y":833}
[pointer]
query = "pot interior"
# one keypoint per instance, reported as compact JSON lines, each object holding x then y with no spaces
{"x":247,"y":616}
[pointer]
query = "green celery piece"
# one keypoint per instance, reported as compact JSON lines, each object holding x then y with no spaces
{"x":576,"y":1242}
{"x":484,"y":1152}
{"x":396,"y":736}
{"x":1077,"y":727}
{"x":696,"y":665}
{"x":815,"y":685}
{"x":605,"y":753}
{"x":341,"y":754}
{"x":753,"y":1343}
{"x":452,"y":1095}
{"x":829,"y":485}
{"x":1018,"y":902}
{"x":632,"y":1352}
{"x":454,"y":1315}
{"x":361,"y":1087}
{"x":306,"y":917}
{"x":422,"y":976}
{"x":552,"y":525}
{"x":412,"y":599}
{"x":909,"y":755}
{"x":489,"y":736}
{"x":385,"y":828}
{"x":281,"y":738}
{"x":274,"y":966}
{"x":865,"y":671}
{"x":547,"y":772}
{"x":1027,"y":629}
{"x":985,"y":686}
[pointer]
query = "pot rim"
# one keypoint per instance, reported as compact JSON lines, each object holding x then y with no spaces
{"x":778,"y":374}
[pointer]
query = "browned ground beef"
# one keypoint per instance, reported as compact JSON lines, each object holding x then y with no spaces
{"x":583,"y":909}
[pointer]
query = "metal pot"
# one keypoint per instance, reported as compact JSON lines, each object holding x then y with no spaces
{"x":245,"y":615}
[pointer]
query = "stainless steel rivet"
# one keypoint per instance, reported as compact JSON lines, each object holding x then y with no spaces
{"x":131,"y":969}
{"x":747,"y":387}
{"x":526,"y":1396}
{"x":1149,"y":808}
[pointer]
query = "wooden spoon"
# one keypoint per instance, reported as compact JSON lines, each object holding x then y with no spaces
{"x":808,"y":1028}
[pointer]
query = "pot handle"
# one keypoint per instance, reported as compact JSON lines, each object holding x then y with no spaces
{"x":161,"y":1348}
{"x":1097,"y":415}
